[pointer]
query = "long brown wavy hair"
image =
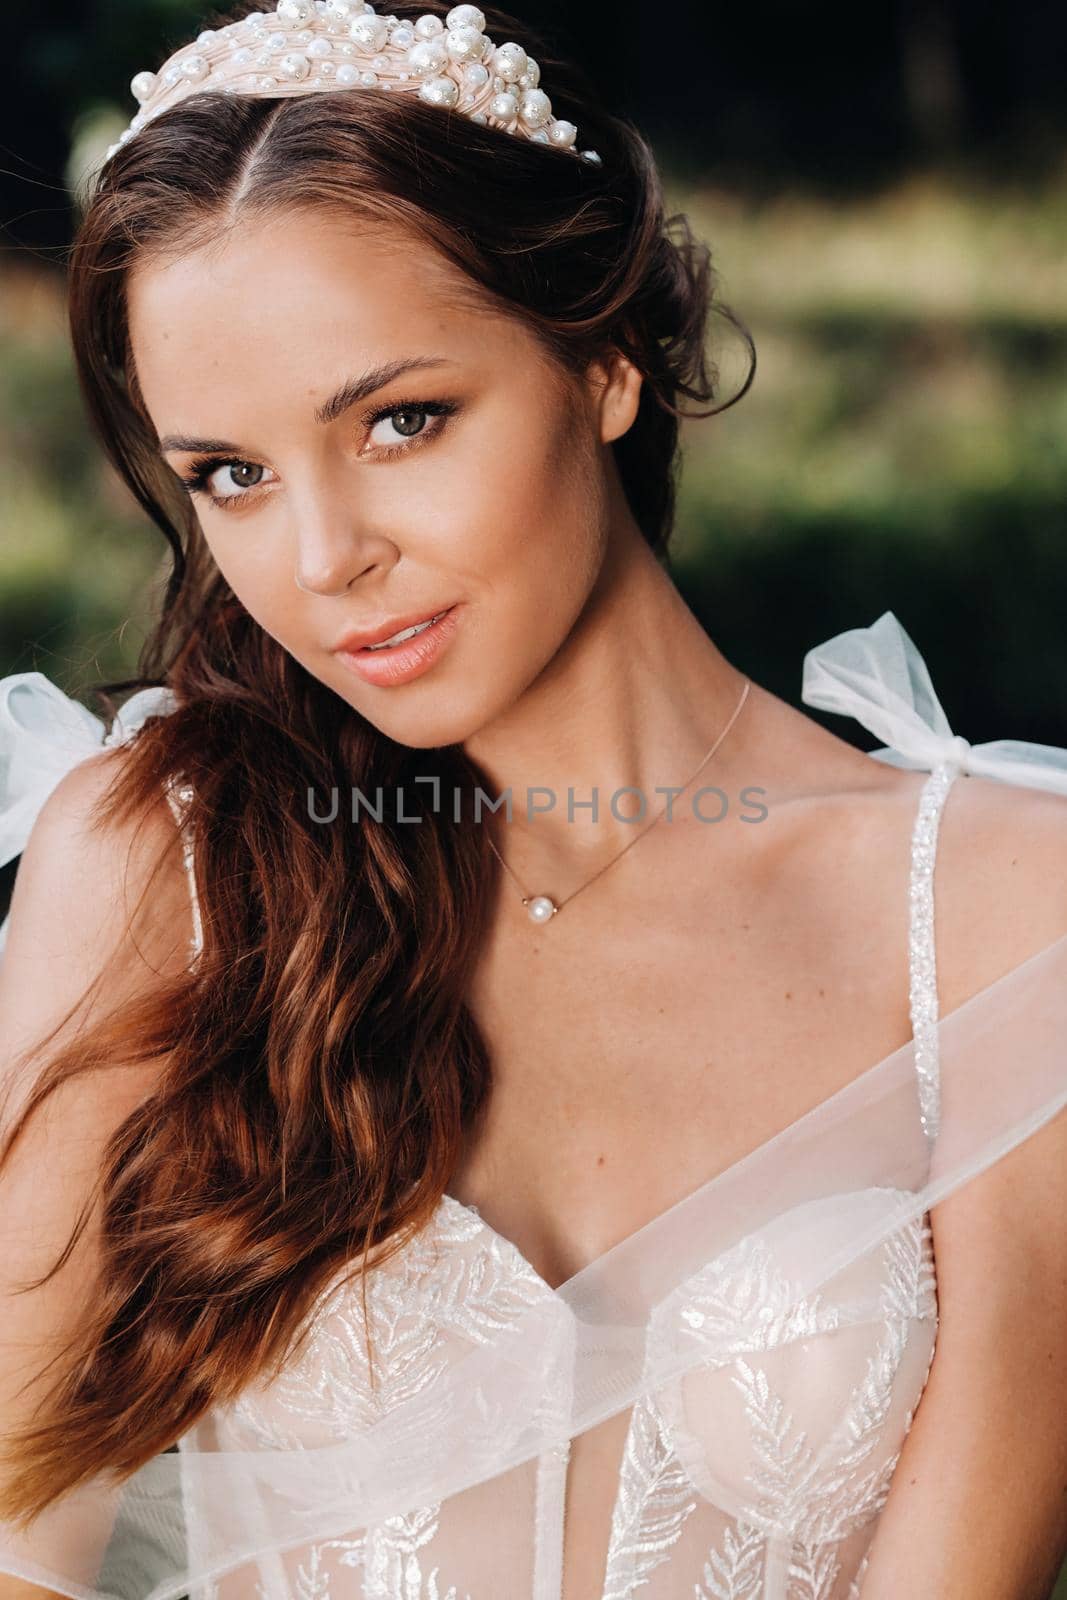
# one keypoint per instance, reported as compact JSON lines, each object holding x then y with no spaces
{"x":319,"y":1067}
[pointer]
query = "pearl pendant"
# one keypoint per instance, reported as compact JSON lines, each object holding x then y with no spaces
{"x":540,"y":908}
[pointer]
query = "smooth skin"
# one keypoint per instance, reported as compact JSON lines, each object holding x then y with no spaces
{"x":719,"y":980}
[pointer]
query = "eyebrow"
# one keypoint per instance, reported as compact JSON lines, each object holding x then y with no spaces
{"x":349,"y":394}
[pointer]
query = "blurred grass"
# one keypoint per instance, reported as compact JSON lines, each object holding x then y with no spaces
{"x":903,"y":447}
{"x":77,"y":558}
{"x":911,"y":354}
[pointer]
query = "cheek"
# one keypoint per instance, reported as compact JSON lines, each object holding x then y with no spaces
{"x":266,"y":589}
{"x":538,"y":511}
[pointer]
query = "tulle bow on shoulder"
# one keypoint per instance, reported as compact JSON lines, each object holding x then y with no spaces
{"x":877,"y":676}
{"x":44,"y":733}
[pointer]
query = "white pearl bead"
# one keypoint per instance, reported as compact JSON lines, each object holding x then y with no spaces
{"x":295,"y":12}
{"x":536,"y":108}
{"x":205,"y":37}
{"x":463,"y":44}
{"x":466,"y":17}
{"x":591,"y":155}
{"x":369,"y":79}
{"x":172,"y":76}
{"x":563,"y":133}
{"x":266,"y":82}
{"x":504,"y":107}
{"x":532,"y":73}
{"x":509,"y":61}
{"x":429,"y":26}
{"x":142,"y":85}
{"x":402,"y":37}
{"x":278,"y":42}
{"x":428,"y":56}
{"x":380,"y":63}
{"x":293,"y":68}
{"x":439,"y":91}
{"x":347,"y":75}
{"x":475,"y":75}
{"x":303,"y":38}
{"x":243,"y":57}
{"x":344,"y":10}
{"x":540,"y":909}
{"x":319,"y":48}
{"x":370,"y":31}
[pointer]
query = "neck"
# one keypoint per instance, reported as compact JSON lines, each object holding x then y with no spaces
{"x":633,"y":699}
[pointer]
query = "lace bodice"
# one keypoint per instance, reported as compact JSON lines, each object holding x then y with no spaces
{"x":757,"y":1476}
{"x":714,"y":1408}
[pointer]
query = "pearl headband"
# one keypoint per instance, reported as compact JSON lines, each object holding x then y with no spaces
{"x":307,"y":45}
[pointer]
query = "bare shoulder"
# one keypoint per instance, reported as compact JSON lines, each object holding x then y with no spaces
{"x":94,"y":897}
{"x":90,"y":893}
{"x":1001,"y":881}
{"x":989,"y":1445}
{"x":996,"y":1390}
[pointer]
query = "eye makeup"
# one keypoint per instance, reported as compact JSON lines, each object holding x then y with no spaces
{"x":201,"y":470}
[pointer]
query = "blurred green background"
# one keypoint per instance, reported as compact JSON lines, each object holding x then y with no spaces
{"x":886,"y":198}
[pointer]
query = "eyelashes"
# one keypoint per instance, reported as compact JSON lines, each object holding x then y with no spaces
{"x":198,"y":477}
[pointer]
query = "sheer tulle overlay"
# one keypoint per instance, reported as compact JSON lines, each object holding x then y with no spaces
{"x":714,"y":1407}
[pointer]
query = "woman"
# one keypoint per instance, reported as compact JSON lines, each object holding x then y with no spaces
{"x":465,"y":1240}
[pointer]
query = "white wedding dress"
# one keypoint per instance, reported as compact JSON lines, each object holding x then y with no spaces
{"x":725,"y":1393}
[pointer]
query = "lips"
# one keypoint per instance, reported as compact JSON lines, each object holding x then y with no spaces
{"x":360,"y":639}
{"x":395,"y":664}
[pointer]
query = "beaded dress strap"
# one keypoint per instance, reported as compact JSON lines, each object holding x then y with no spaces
{"x":180,"y":799}
{"x":922,"y":960}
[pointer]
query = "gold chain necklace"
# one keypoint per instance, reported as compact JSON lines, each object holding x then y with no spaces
{"x":541,"y":907}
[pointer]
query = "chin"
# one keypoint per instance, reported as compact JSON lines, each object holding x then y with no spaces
{"x":431,"y":727}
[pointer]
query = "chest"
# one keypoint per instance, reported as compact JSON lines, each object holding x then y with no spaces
{"x":644,"y":1040}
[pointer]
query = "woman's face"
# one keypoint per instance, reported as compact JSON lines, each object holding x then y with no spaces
{"x":477,"y":480}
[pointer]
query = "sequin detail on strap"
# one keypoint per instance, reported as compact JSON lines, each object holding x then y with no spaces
{"x":180,"y":799}
{"x":921,"y":945}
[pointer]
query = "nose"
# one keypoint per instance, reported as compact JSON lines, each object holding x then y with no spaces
{"x":322,"y":583}
{"x":332,"y":551}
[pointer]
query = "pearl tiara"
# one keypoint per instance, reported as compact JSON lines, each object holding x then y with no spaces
{"x":305,"y":45}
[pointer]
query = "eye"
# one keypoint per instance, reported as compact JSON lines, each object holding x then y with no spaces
{"x":241,"y":482}
{"x":235,"y":479}
{"x":407,"y":420}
